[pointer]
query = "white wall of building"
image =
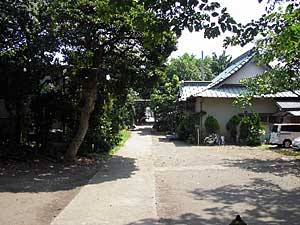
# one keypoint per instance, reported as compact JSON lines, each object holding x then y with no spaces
{"x":251,"y":69}
{"x":223,"y":109}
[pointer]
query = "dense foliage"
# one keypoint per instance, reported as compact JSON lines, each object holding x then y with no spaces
{"x":163,"y":104}
{"x":186,"y":67}
{"x":59,"y":53}
{"x":232,"y":127}
{"x":251,"y":130}
{"x":278,"y":39}
{"x":211,"y":125}
{"x":186,"y":129}
{"x":106,"y":123}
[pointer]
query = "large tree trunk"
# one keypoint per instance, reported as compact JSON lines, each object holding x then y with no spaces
{"x":90,"y":95}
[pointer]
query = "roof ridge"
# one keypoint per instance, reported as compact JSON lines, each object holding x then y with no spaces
{"x":195,"y":81}
{"x":230,"y":70}
{"x":236,"y":65}
{"x":247,"y":53}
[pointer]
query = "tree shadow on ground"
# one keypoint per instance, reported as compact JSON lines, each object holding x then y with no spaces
{"x":117,"y":168}
{"x":51,"y":177}
{"x":187,"y":218}
{"x":277,"y":167}
{"x":267,"y":203}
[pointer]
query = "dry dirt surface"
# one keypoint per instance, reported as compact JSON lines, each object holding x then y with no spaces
{"x":154,"y":181}
{"x":206,"y":185}
{"x":33,"y":193}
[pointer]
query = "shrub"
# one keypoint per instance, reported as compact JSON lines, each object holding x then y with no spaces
{"x":231,"y":126}
{"x":244,"y":131}
{"x":167,"y":122}
{"x":251,"y":129}
{"x":106,"y":123}
{"x":186,"y":128}
{"x":211,"y":125}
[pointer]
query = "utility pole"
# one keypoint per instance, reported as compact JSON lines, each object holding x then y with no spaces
{"x":201,"y":103}
{"x":202,"y":66}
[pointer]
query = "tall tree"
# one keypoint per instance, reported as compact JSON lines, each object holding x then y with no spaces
{"x":188,"y":67}
{"x":137,"y":36}
{"x":128,"y":40}
{"x":93,"y":34}
{"x":25,"y":38}
{"x":219,"y":63}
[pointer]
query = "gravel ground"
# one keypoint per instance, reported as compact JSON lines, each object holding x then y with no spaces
{"x":210,"y":185}
{"x":157,"y":181}
{"x":33,"y":193}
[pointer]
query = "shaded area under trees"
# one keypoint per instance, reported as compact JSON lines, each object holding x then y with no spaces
{"x":56,"y":56}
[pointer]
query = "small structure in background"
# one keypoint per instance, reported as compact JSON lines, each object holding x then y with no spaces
{"x":142,"y":111}
{"x":149,"y":115}
{"x":289,"y":111}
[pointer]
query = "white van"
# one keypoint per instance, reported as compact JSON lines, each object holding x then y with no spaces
{"x":284,"y":134}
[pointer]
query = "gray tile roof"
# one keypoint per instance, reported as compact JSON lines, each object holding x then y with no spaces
{"x":288,"y":104}
{"x":229,"y":92}
{"x":225,"y":92}
{"x":210,"y":93}
{"x":285,"y":94}
{"x":285,"y":113}
{"x":212,"y":89}
{"x":295,"y":113}
{"x":191,"y":88}
{"x":233,"y":67}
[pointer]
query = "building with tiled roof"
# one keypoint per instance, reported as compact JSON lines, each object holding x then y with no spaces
{"x":216,"y":97}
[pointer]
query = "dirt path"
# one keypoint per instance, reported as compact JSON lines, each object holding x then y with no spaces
{"x":34,"y":194}
{"x":122,"y":192}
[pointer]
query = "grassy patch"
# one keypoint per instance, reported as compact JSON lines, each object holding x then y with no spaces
{"x":103,"y":156}
{"x":282,"y":151}
{"x":124,"y":136}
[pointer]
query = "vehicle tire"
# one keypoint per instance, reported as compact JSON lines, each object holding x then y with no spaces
{"x":287,"y":143}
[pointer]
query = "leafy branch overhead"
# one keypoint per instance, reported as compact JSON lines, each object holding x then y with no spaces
{"x":277,"y":38}
{"x":194,"y":15}
{"x":128,"y":40}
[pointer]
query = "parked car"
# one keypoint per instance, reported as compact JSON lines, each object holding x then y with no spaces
{"x":296,"y":143}
{"x":284,"y":134}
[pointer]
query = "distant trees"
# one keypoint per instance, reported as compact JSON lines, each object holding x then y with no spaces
{"x":188,"y":67}
{"x":163,"y":103}
{"x":185,"y":67}
{"x":219,"y":63}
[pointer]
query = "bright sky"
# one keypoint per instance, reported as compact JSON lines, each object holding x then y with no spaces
{"x":193,"y":43}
